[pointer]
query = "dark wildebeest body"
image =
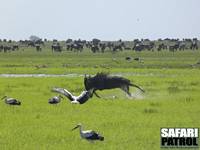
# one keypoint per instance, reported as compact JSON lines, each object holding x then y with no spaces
{"x":56,"y":48}
{"x":38,"y":48}
{"x":103,"y":81}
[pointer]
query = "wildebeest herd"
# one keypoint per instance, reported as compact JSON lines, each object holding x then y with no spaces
{"x":100,"y":81}
{"x":98,"y":46}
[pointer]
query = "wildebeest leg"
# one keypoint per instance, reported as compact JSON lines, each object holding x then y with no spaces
{"x":128,"y":92}
{"x":97,"y":95}
{"x":126,"y":89}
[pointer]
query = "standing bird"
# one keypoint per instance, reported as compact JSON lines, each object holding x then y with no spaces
{"x":81,"y":99}
{"x":11,"y":101}
{"x":55,"y":99}
{"x":88,"y":134}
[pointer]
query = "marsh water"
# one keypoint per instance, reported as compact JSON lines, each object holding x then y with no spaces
{"x":70,"y":75}
{"x":38,"y":75}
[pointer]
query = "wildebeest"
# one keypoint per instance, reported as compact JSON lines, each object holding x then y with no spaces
{"x":102,"y":81}
{"x":95,"y":48}
{"x":38,"y":48}
{"x":15,"y":47}
{"x":161,"y":46}
{"x":30,"y":43}
{"x":7,"y":48}
{"x":194,"y":44}
{"x":117,"y":47}
{"x":96,"y":41}
{"x":182,"y":45}
{"x":102,"y":46}
{"x":1,"y":48}
{"x":174,"y":47}
{"x":78,"y":47}
{"x":56,"y":48}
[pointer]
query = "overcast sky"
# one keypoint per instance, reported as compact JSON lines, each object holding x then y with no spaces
{"x":103,"y":19}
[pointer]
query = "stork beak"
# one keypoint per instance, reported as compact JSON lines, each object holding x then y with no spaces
{"x":75,"y":128}
{"x":3,"y":97}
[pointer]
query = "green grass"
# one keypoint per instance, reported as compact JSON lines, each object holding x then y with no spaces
{"x":30,"y":61}
{"x":172,"y":99}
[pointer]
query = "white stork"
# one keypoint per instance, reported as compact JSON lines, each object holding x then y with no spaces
{"x":81,"y":99}
{"x":11,"y":101}
{"x":88,"y":134}
{"x":55,"y":99}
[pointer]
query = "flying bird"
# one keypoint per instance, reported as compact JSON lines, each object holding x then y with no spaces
{"x":88,"y":134}
{"x":11,"y":101}
{"x":55,"y":99}
{"x":81,"y":99}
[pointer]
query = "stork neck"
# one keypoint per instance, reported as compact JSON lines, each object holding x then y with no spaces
{"x":80,"y":129}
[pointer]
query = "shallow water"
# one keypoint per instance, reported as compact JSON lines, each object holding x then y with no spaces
{"x":81,"y":75}
{"x":38,"y":75}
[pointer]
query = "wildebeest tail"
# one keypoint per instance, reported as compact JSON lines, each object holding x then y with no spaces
{"x":131,"y":84}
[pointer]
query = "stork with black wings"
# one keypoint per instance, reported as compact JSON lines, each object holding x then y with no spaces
{"x":55,"y":99}
{"x":81,"y":99}
{"x":89,"y":135}
{"x":11,"y":101}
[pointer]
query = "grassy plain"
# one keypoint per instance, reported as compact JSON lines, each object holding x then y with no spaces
{"x":30,"y":61}
{"x":172,"y":99}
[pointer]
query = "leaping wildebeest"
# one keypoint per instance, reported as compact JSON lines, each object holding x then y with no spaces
{"x":102,"y":81}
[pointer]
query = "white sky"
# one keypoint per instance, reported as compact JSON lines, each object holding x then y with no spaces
{"x":103,"y":19}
